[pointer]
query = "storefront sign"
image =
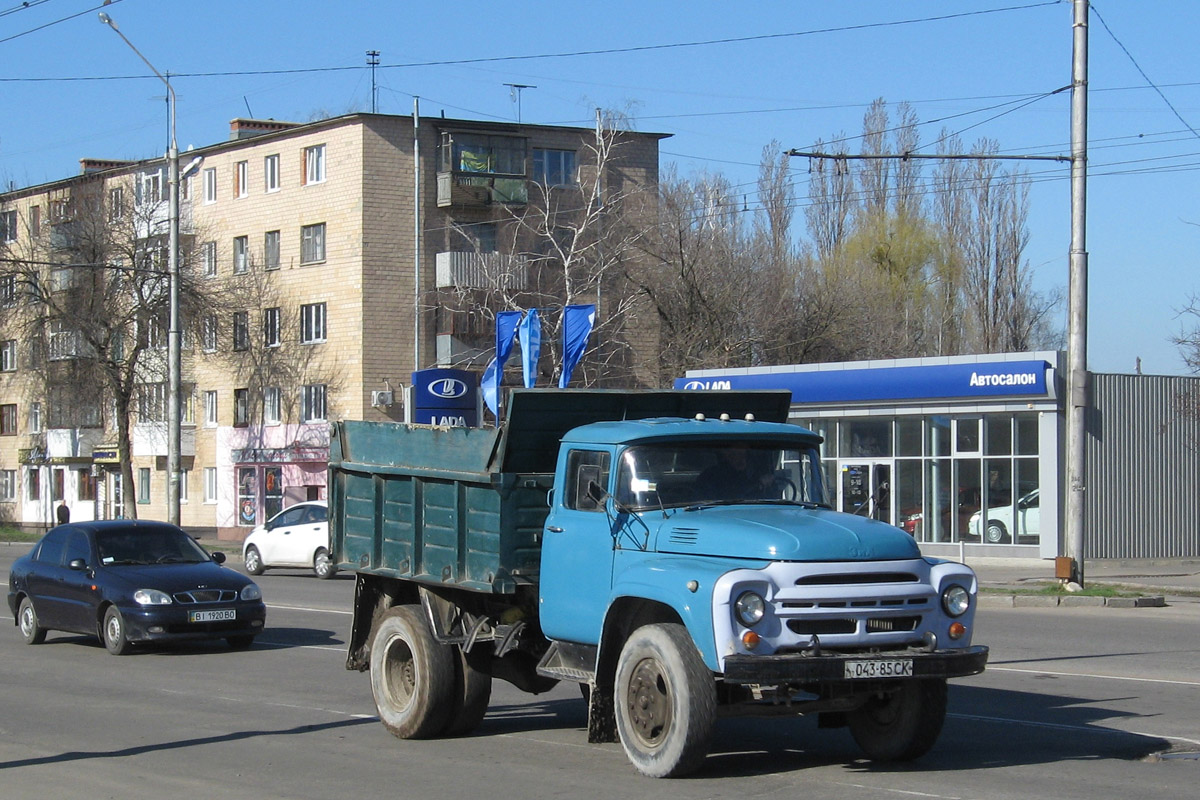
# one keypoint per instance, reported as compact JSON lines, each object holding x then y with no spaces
{"x":943,"y":381}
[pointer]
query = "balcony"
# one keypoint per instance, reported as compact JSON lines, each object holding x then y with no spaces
{"x":473,"y":190}
{"x":482,"y":271}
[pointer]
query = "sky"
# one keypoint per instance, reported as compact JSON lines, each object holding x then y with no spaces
{"x":723,"y":80}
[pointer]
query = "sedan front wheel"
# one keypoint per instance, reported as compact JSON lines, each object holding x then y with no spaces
{"x":115,"y":639}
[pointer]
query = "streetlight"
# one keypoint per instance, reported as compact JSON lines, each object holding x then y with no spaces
{"x":174,"y":436}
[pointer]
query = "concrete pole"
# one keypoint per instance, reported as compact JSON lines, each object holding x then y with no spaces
{"x":1077,"y":378}
{"x":416,"y":234}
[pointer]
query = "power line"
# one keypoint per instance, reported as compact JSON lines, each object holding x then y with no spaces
{"x":580,"y":53}
{"x":49,"y":24}
{"x":1142,"y":72}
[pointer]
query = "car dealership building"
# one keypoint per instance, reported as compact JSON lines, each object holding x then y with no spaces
{"x":967,"y":453}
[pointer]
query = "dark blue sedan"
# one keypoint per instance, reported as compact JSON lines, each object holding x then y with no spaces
{"x":128,"y":582}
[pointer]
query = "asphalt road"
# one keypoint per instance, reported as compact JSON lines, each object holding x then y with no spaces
{"x":1076,"y":704}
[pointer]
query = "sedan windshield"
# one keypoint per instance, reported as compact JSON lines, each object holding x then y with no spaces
{"x":713,"y":472}
{"x":153,"y":547}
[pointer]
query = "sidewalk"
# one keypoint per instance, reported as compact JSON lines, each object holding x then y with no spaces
{"x":1178,"y":578}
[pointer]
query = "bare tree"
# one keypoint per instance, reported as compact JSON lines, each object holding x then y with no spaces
{"x":95,"y":289}
{"x":570,"y":244}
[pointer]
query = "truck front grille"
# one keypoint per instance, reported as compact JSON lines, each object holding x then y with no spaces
{"x":845,"y":625}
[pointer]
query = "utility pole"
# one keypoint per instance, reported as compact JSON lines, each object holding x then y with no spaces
{"x":1077,"y":378}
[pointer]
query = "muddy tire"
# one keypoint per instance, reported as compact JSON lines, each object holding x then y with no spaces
{"x":412,"y":676}
{"x":472,"y":692}
{"x":665,"y":701}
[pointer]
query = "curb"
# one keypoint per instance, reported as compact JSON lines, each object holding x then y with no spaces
{"x":1068,"y":601}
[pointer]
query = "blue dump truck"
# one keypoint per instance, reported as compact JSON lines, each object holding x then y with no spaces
{"x":673,"y":553}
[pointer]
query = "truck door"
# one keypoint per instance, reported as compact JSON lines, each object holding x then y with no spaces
{"x":577,"y":550}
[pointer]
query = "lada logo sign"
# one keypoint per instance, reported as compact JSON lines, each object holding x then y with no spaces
{"x":699,"y":386}
{"x":448,"y":388}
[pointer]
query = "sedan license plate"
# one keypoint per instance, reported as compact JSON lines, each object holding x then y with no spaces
{"x":880,"y":668}
{"x":219,"y":615}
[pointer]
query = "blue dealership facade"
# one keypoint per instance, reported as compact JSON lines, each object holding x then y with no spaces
{"x":963,"y":452}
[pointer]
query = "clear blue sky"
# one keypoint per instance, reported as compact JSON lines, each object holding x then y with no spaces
{"x":725,"y":79}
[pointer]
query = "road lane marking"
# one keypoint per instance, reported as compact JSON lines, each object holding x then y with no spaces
{"x":1167,"y":681}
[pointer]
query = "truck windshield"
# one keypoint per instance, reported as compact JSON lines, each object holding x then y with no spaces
{"x":701,"y":473}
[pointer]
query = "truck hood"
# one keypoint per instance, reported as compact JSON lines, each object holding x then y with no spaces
{"x":781,"y":533}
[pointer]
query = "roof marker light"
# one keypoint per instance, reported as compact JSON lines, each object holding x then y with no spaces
{"x":724,"y":418}
{"x":699,"y":418}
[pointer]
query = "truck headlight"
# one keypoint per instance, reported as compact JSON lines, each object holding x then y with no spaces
{"x":749,"y":608}
{"x":956,"y":600}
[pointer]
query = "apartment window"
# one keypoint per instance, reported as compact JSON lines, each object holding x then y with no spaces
{"x":271,"y":172}
{"x":184,"y":474}
{"x":8,"y":419}
{"x":208,"y":333}
{"x":241,"y":407}
{"x":187,"y":414}
{"x":33,"y":483}
{"x":271,"y":250}
{"x":241,"y":330}
{"x":210,"y":185}
{"x":312,"y":243}
{"x":152,"y":402}
{"x":8,"y":355}
{"x":241,"y":254}
{"x":312,"y":323}
{"x":8,"y":226}
{"x":272,"y":398}
{"x":314,"y":164}
{"x":465,"y":152}
{"x":143,"y":490}
{"x":312,"y":403}
{"x":210,"y":484}
{"x":241,"y":179}
{"x":8,"y":290}
{"x":8,"y":485}
{"x":35,"y":220}
{"x":35,"y":417}
{"x":554,"y":167}
{"x":149,"y":188}
{"x":85,"y":483}
{"x":116,"y":203}
{"x":271,"y":320}
{"x":210,"y":409}
{"x":208,"y":257}
{"x":65,"y":341}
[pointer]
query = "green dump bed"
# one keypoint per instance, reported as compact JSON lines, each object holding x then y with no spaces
{"x":465,"y":506}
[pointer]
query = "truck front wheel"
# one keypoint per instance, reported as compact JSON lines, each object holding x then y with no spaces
{"x":903,"y":724}
{"x":665,"y":701}
{"x":412,"y":676}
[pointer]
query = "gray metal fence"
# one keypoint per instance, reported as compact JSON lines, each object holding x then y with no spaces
{"x":1143,"y":467}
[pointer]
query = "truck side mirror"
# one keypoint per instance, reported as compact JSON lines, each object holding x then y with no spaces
{"x":596,"y":493}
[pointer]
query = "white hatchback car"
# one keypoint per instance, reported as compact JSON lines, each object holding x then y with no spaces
{"x":298,"y":536}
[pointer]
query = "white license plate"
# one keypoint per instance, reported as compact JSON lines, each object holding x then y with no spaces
{"x":880,"y":668}
{"x":220,"y":615}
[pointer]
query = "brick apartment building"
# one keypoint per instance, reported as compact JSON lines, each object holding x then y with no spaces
{"x":318,"y":296}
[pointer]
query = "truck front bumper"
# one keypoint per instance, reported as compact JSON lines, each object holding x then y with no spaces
{"x":798,"y":668}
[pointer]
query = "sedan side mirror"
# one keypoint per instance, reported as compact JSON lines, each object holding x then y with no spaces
{"x":77,"y":564}
{"x":218,"y":557}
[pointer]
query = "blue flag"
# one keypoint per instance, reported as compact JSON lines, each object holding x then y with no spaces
{"x":577,"y":326}
{"x":530,"y":332}
{"x":493,"y":375}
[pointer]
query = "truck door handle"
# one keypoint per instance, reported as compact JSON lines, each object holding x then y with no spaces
{"x":554,"y":529}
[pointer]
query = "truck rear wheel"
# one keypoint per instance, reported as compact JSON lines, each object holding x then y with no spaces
{"x":412,"y":676}
{"x":472,"y":693}
{"x":665,"y":701}
{"x":903,"y":724}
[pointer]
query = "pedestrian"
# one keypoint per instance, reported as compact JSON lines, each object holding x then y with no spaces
{"x":63,"y":513}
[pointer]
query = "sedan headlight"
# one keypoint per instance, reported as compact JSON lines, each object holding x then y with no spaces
{"x":956,"y":600}
{"x":151,"y":597}
{"x":749,"y":608}
{"x":251,"y":592}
